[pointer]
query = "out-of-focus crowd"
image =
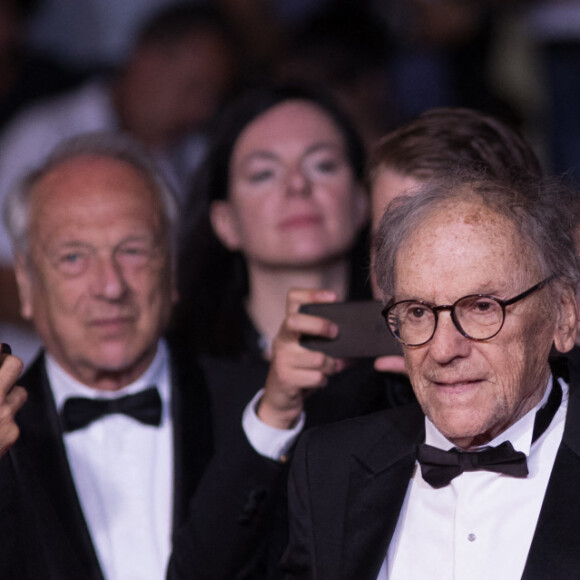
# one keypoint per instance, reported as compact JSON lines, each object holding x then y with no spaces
{"x":177,"y":180}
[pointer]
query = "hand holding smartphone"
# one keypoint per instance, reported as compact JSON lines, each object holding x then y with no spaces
{"x":362,"y":330}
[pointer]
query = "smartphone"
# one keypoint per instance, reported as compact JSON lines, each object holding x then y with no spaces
{"x":362,"y":331}
{"x":5,"y":348}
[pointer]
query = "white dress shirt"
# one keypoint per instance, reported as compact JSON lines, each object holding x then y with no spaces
{"x":123,"y":473}
{"x":481,"y":525}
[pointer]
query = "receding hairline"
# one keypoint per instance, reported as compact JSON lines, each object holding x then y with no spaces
{"x":77,"y":163}
{"x":80,"y":162}
{"x":470,"y":209}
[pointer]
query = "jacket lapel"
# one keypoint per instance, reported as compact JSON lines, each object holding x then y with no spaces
{"x":192,"y":432}
{"x":554,"y":550}
{"x":379,"y":477}
{"x":41,"y":462}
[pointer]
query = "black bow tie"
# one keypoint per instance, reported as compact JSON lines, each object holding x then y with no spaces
{"x":439,"y":467}
{"x":145,"y":406}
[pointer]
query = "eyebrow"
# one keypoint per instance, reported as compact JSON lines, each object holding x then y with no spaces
{"x":482,"y":292}
{"x":314,"y":148}
{"x":85,"y":244}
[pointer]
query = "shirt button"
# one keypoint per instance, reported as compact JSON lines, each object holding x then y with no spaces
{"x":471,"y":537}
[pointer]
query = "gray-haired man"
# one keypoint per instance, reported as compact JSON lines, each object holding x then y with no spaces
{"x":478,"y":279}
{"x":117,"y":431}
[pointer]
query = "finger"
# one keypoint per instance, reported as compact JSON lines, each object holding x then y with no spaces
{"x":9,"y":430}
{"x":308,"y":379}
{"x":16,"y":398}
{"x":298,"y":296}
{"x":8,"y":435}
{"x":392,"y":364}
{"x":305,"y":359}
{"x":313,"y":325}
{"x":10,"y":369}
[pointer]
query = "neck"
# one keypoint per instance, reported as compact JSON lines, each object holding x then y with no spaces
{"x":268,"y":289}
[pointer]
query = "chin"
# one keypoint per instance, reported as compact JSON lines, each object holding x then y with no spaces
{"x":116,"y":358}
{"x":459,"y":425}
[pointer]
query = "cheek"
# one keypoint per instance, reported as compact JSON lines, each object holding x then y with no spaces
{"x":153,"y":289}
{"x":61,"y":297}
{"x":414,"y":363}
{"x":254,"y":220}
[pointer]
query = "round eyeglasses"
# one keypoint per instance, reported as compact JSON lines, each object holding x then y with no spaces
{"x":477,"y":317}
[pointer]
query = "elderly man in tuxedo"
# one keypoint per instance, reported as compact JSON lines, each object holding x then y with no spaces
{"x":478,"y":479}
{"x":117,"y":430}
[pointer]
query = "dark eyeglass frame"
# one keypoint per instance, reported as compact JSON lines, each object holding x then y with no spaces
{"x":451,"y":308}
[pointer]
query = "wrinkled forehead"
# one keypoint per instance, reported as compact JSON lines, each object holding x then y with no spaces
{"x":84,"y":175}
{"x":88,"y":188}
{"x":466,"y":238}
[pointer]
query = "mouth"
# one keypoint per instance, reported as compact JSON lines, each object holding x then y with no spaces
{"x":111,"y":323}
{"x":300,"y":221}
{"x":457,"y":386}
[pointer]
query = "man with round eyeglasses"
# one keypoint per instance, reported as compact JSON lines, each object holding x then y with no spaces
{"x":477,"y":316}
{"x":476,"y":481}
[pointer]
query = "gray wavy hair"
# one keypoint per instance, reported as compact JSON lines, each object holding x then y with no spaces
{"x":16,"y":210}
{"x":543,"y":211}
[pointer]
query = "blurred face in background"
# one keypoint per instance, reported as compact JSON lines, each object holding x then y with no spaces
{"x":387,"y":185}
{"x":293,"y":198}
{"x":97,"y":282}
{"x":169,"y":91}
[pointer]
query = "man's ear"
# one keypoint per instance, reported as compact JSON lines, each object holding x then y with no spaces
{"x":224,"y":224}
{"x":566,"y":321}
{"x":22,"y":269}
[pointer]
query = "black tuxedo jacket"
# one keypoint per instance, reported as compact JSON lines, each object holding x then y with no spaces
{"x":349,"y":481}
{"x":20,"y":549}
{"x":46,"y":479}
{"x":222,"y":497}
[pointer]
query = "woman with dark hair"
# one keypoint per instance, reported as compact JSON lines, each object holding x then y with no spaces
{"x":219,"y":307}
{"x":279,"y":204}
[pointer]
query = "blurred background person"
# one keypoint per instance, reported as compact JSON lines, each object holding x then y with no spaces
{"x":26,"y":74}
{"x":439,"y":142}
{"x":346,"y":51}
{"x":279,"y":204}
{"x":99,"y":33}
{"x":116,"y":436}
{"x":554,"y":28}
{"x":165,"y":95}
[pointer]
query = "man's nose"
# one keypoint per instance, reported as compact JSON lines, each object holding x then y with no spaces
{"x":108,"y":278}
{"x":448,"y":343}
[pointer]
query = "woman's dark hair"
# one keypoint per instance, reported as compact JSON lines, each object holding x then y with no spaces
{"x":212,"y":279}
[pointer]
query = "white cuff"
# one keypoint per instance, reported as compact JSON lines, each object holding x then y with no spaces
{"x":266,"y":440}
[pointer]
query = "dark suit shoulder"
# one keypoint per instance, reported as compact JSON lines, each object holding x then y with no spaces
{"x":392,"y":432}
